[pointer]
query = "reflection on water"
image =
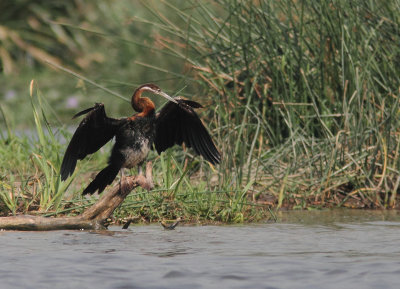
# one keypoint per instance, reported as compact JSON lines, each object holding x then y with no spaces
{"x":339,"y":249}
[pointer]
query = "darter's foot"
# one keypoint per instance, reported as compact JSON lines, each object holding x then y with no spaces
{"x":144,"y":182}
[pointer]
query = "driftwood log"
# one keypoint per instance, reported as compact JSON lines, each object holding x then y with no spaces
{"x":94,"y":218}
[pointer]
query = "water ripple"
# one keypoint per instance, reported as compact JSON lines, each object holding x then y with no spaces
{"x":344,"y":253}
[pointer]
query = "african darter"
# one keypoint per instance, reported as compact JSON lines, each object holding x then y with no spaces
{"x":176,"y":123}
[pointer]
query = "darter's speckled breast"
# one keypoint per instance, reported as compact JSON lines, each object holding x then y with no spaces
{"x":134,"y":141}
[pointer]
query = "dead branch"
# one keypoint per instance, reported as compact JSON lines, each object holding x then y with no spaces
{"x":94,"y":218}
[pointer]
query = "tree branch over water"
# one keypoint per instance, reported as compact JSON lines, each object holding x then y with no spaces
{"x":94,"y":218}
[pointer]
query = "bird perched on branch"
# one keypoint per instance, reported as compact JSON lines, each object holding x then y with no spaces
{"x":176,"y":123}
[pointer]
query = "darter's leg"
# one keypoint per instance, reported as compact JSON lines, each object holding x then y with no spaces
{"x":122,"y":173}
{"x":140,"y":170}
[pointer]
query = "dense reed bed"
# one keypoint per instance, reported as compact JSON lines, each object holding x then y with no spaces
{"x":301,"y":97}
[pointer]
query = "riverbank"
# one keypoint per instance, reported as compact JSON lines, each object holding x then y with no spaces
{"x":301,"y":98}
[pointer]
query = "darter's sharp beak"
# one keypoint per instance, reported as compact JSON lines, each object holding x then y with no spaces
{"x":163,"y":94}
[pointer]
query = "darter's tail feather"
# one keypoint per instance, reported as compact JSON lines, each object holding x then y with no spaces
{"x":104,"y":178}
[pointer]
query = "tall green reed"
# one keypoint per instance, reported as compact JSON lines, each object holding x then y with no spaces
{"x":299,"y":92}
{"x":34,"y":183}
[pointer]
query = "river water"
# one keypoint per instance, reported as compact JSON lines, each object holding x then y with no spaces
{"x":326,"y":249}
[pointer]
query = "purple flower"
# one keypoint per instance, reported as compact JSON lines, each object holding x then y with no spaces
{"x":72,"y":102}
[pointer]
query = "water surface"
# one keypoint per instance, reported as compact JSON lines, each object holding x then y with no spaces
{"x":339,"y":249}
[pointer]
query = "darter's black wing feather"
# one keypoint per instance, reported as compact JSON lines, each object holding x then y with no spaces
{"x":178,"y":124}
{"x":94,"y":131}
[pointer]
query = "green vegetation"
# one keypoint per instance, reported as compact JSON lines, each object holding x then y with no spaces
{"x":301,"y":97}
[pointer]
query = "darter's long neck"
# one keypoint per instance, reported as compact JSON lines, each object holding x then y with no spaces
{"x":141,"y":104}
